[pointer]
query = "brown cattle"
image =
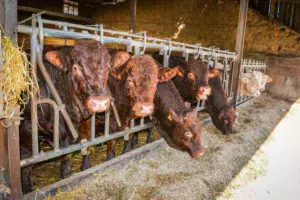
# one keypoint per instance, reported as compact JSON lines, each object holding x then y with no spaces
{"x":178,"y":124}
{"x":80,"y":75}
{"x":193,"y":84}
{"x":222,"y":114}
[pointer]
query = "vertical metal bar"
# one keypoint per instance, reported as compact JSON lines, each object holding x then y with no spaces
{"x":198,"y":105}
{"x":187,"y":57}
{"x":133,"y":15}
{"x":142,"y":122}
{"x":93,"y":124}
{"x":239,"y":47}
{"x":282,"y":12}
{"x":131,"y":123}
{"x":56,"y":128}
{"x":292,"y":12}
{"x":287,"y":13}
{"x":33,"y":105}
{"x":224,"y":72}
{"x":107,"y":116}
{"x":166,"y":58}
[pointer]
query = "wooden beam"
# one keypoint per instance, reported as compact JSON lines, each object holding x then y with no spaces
{"x":9,"y":137}
{"x":132,"y":25}
{"x":239,"y":47}
{"x":56,"y":14}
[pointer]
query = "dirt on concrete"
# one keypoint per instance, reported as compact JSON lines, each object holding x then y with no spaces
{"x":171,"y":174}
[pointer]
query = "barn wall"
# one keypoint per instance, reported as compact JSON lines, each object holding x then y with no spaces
{"x":286,"y":75}
{"x":206,"y":22}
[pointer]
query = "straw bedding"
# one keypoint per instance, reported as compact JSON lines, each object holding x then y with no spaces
{"x":170,"y":174}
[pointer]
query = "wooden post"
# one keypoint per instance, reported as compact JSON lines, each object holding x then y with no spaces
{"x":239,"y":47}
{"x":132,"y":25}
{"x":9,"y":137}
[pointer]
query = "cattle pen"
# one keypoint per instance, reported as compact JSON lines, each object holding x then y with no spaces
{"x":45,"y":27}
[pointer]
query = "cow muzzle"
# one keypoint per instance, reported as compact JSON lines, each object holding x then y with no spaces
{"x":97,"y":104}
{"x":203,"y":92}
{"x":142,"y":109}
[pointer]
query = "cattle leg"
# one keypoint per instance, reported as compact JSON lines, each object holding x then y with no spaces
{"x":127,"y":146}
{"x":65,"y":166}
{"x":85,"y":163}
{"x":27,"y":183}
{"x":134,"y":140}
{"x":110,"y":149}
{"x":150,"y":136}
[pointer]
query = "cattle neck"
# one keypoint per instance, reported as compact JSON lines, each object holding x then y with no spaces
{"x":167,"y":97}
{"x":218,"y":97}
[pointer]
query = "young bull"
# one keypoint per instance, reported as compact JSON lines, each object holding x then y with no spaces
{"x":222,"y":114}
{"x":253,"y":82}
{"x":80,"y":75}
{"x":192,"y":84}
{"x":178,"y":124}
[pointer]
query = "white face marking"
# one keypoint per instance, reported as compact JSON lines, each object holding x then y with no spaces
{"x":146,"y":110}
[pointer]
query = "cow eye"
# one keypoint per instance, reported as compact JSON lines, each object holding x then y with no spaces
{"x":75,"y":68}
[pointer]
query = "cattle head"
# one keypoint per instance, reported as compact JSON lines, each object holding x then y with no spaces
{"x":195,"y":78}
{"x":225,"y":120}
{"x":85,"y":66}
{"x":186,"y":131}
{"x":141,"y":76}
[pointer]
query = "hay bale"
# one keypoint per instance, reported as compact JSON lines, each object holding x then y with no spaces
{"x":16,"y":82}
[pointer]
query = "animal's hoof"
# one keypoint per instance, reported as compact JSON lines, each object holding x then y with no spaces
{"x":134,"y":142}
{"x":127,"y":147}
{"x":86,"y":163}
{"x":110,"y":156}
{"x":150,"y":138}
{"x":65,"y":168}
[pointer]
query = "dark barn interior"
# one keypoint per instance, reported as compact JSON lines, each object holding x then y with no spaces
{"x":115,"y":152}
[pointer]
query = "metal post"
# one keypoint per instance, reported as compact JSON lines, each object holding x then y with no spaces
{"x":93,"y":124}
{"x":33,"y":105}
{"x":133,"y":15}
{"x":239,"y":47}
{"x":106,"y":128}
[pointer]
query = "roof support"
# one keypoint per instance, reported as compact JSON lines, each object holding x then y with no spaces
{"x":239,"y":47}
{"x":9,"y":137}
{"x":133,"y":15}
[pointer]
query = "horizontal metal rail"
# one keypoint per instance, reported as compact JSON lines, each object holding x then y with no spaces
{"x":43,"y":156}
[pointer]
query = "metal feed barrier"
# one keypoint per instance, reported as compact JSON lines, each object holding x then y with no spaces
{"x":138,"y":43}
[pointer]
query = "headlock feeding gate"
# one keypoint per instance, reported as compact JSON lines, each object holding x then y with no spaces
{"x":136,"y":43}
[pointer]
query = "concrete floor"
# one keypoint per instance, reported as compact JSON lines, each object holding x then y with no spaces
{"x":282,"y":179}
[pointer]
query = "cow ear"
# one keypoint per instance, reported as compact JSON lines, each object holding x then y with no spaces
{"x":114,"y":74}
{"x":54,"y":57}
{"x":165,"y":74}
{"x":179,"y":71}
{"x":174,"y":117}
{"x":213,"y":73}
{"x":245,"y":80}
{"x":187,"y":105}
{"x":119,"y":59}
